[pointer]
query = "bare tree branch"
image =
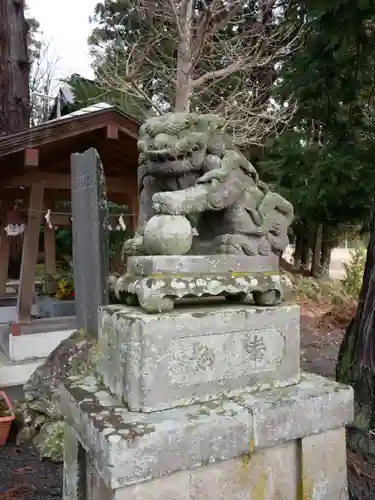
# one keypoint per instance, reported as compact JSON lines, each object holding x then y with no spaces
{"x":223,"y":57}
{"x":42,"y":83}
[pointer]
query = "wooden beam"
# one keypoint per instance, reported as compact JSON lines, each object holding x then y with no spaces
{"x":30,"y":252}
{"x":112,"y":132}
{"x":62,"y":181}
{"x":61,"y":220}
{"x":65,"y":220}
{"x":49,"y":250}
{"x":4,"y":260}
{"x":31,"y":157}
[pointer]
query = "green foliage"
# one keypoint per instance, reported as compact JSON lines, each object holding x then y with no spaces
{"x":88,"y":92}
{"x":324,"y":164}
{"x":317,"y":290}
{"x":354,"y":270}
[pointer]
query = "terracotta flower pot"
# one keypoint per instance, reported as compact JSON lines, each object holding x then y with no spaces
{"x":5,"y":421}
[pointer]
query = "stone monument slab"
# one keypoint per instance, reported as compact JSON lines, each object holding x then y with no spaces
{"x":153,"y":362}
{"x":90,"y":238}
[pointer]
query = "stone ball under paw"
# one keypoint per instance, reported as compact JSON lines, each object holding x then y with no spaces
{"x":168,"y":235}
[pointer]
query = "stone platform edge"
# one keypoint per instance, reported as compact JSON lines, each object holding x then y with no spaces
{"x":129,"y":447}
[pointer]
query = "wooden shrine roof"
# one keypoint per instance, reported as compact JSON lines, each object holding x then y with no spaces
{"x":48,"y":147}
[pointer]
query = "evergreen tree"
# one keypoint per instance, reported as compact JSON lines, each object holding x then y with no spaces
{"x":324,"y":163}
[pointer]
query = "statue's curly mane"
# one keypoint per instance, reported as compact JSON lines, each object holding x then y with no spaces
{"x":179,"y":134}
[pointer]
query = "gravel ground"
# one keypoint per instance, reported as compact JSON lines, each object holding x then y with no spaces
{"x":23,"y":476}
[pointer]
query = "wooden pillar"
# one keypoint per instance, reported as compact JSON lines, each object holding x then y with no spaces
{"x":49,"y":250}
{"x":4,"y":260}
{"x":30,"y":252}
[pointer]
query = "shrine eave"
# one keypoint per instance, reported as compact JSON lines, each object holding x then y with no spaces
{"x":49,"y":146}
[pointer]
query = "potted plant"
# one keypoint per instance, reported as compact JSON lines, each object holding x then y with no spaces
{"x":6,"y":418}
{"x":65,"y":287}
{"x":49,"y":284}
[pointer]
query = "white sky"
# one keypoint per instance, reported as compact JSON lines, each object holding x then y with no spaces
{"x":65,"y":26}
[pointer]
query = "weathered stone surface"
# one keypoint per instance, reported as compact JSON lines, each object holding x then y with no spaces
{"x":90,"y":238}
{"x":196,"y":354}
{"x":324,"y":469}
{"x":190,"y":167}
{"x":177,"y":265}
{"x":269,"y":474}
{"x":157,"y":281}
{"x":272,"y":473}
{"x":76,"y":470}
{"x":41,"y":409}
{"x":49,"y":440}
{"x":71,"y":466}
{"x":285,"y":414}
{"x":128,"y":447}
{"x":168,"y":235}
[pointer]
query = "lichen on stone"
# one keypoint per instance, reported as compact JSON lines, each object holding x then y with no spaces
{"x":40,"y":415}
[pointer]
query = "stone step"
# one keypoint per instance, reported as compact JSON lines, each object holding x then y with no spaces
{"x":16,"y":373}
{"x":284,"y":443}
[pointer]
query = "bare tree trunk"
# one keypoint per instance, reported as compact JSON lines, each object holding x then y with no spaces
{"x":328,"y":242}
{"x":356,"y":360}
{"x":184,"y":59}
{"x":297,"y":256}
{"x":14,"y":67}
{"x":317,"y":251}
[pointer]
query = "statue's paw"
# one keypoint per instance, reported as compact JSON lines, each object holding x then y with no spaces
{"x":134,"y":245}
{"x":276,"y":228}
{"x":214,"y":176}
{"x":169,"y":203}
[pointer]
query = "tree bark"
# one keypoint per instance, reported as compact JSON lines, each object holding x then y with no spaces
{"x":317,"y":251}
{"x":14,"y":67}
{"x":302,"y":253}
{"x":325,"y":258}
{"x":297,"y":255}
{"x":306,"y":255}
{"x":328,"y":243}
{"x":356,"y":360}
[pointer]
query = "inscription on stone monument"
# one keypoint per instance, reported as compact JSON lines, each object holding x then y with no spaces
{"x":254,"y":345}
{"x":213,"y":358}
{"x":203,"y":357}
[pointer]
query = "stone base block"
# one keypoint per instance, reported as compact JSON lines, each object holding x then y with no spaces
{"x":154,"y":362}
{"x":155,"y":282}
{"x":282,"y":444}
{"x":192,"y":265}
{"x":50,"y":307}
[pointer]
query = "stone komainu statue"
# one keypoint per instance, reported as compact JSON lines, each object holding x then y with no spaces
{"x":189,"y":166}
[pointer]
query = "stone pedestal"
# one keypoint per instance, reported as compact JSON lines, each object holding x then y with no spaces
{"x":284,"y":443}
{"x":157,"y":282}
{"x":50,"y":307}
{"x":204,"y":403}
{"x":194,"y":354}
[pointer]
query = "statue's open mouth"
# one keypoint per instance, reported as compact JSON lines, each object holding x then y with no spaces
{"x":168,"y":166}
{"x":162,"y":155}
